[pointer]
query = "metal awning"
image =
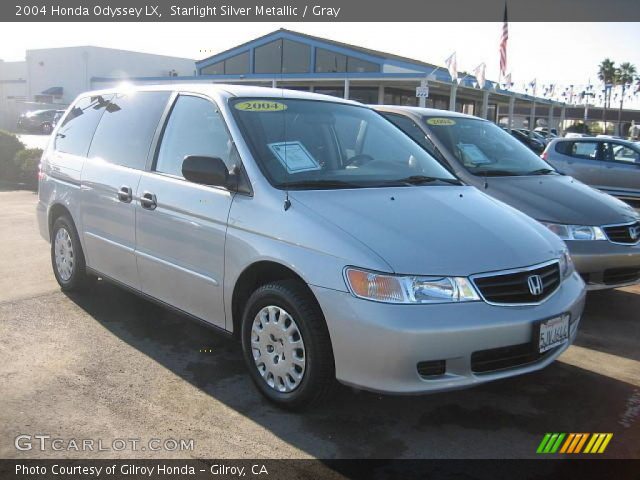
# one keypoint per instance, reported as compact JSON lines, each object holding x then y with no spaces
{"x":55,"y":91}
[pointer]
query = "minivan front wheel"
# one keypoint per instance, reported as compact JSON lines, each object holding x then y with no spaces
{"x":286,"y":345}
{"x":67,"y":258}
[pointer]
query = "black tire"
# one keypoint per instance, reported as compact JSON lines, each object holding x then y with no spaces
{"x":78,"y":279}
{"x":319,"y":374}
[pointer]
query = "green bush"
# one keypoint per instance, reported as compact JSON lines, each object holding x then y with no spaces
{"x":27,"y":162}
{"x":9,"y":148}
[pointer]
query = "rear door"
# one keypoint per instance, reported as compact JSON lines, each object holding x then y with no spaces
{"x":181,"y":226}
{"x":110,"y":177}
{"x":621,"y":168}
{"x":580,"y":160}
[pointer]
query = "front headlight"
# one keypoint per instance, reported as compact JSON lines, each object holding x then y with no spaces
{"x":576,"y":232}
{"x":408,"y":289}
{"x":566,"y":264}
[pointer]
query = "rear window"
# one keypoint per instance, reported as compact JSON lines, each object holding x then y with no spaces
{"x":127,"y":127}
{"x":75,"y":133}
{"x":563,"y":148}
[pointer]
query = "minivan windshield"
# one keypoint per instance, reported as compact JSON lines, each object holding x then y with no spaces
{"x":310,"y":144}
{"x":483,"y":148}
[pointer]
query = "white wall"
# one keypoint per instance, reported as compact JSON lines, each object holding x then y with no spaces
{"x":72,"y":68}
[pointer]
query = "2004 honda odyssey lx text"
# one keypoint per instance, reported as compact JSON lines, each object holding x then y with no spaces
{"x":312,"y":228}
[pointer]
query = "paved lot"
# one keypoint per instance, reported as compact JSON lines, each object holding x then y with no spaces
{"x":109,"y":365}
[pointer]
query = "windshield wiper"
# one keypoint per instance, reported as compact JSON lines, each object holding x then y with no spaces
{"x":541,"y":171}
{"x":420,"y":179}
{"x":496,"y":173}
{"x":319,"y":183}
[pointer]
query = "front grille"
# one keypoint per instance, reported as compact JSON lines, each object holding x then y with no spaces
{"x":484,"y":361}
{"x":617,"y":276}
{"x":622,"y":233}
{"x":513,"y":288}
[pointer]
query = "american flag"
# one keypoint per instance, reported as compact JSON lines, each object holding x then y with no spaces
{"x":503,"y":44}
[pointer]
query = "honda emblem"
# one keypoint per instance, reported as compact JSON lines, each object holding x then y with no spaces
{"x":535,"y":285}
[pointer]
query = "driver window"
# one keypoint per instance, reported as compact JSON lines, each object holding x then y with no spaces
{"x":195,"y":127}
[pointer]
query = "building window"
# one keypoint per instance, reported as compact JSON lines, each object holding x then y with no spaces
{"x":215,"y":69}
{"x":366,"y":95}
{"x":295,"y":57}
{"x":268,"y":58}
{"x":397,"y":96}
{"x":332,"y":91}
{"x":236,"y":65}
{"x":355,"y":65}
{"x":330,"y":62}
{"x":282,"y":56}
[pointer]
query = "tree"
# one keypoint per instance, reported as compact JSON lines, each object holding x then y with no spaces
{"x":625,"y":75}
{"x":606,"y":74}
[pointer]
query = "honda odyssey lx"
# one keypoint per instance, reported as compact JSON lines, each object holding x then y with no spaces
{"x":311,"y":228}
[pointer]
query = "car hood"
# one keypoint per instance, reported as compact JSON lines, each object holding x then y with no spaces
{"x":434,"y":230}
{"x":558,"y":199}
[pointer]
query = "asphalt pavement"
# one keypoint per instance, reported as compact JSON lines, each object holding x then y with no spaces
{"x":109,"y":365}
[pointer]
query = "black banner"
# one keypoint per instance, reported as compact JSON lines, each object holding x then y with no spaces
{"x":317,"y":10}
{"x":565,"y":469}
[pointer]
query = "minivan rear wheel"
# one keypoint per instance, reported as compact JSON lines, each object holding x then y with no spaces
{"x":67,"y":257}
{"x":286,"y":345}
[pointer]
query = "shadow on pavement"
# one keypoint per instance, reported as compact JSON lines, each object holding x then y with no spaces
{"x":502,"y":419}
{"x":611,"y":323}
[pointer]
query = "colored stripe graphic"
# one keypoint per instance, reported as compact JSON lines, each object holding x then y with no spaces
{"x":573,"y":443}
{"x":550,"y":443}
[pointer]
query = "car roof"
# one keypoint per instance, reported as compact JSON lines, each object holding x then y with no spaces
{"x":223,"y":90}
{"x":423,"y":112}
{"x":595,"y":139}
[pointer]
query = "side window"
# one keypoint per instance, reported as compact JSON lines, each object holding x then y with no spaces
{"x":75,"y":134}
{"x":195,"y":127}
{"x":586,"y":150}
{"x":409,"y":127}
{"x":622,"y":153}
{"x":126,"y":130}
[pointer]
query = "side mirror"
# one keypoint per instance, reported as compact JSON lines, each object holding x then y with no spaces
{"x":205,"y":170}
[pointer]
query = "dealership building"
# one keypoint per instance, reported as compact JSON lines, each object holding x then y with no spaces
{"x":287,"y":59}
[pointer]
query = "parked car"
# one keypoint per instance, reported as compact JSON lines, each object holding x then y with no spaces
{"x":531,"y":142}
{"x":324,"y":238}
{"x":602,"y":233}
{"x":545,"y":131}
{"x":38,"y":121}
{"x":607,"y":164}
{"x":538,"y":136}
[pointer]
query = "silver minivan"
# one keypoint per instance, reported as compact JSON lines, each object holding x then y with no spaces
{"x":601,"y":232}
{"x":325,"y":239}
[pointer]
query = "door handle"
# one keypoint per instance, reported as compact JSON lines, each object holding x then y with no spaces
{"x":148,"y":201}
{"x":125,"y":194}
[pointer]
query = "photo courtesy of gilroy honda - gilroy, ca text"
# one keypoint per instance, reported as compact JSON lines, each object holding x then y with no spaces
{"x":320,"y":239}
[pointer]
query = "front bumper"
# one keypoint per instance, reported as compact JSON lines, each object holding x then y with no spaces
{"x":603,"y":264}
{"x":378,"y":346}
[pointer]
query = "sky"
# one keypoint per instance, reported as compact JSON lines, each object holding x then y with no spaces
{"x":560,"y":53}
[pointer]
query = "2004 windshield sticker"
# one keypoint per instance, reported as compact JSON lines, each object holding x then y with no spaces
{"x":260,"y":106}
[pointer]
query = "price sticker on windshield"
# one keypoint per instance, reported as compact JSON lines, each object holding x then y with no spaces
{"x":260,"y":106}
{"x":441,"y":122}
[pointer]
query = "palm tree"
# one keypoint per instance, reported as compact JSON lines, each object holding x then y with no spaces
{"x":607,"y":74}
{"x":624,"y":76}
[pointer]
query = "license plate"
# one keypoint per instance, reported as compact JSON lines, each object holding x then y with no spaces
{"x":553,"y":332}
